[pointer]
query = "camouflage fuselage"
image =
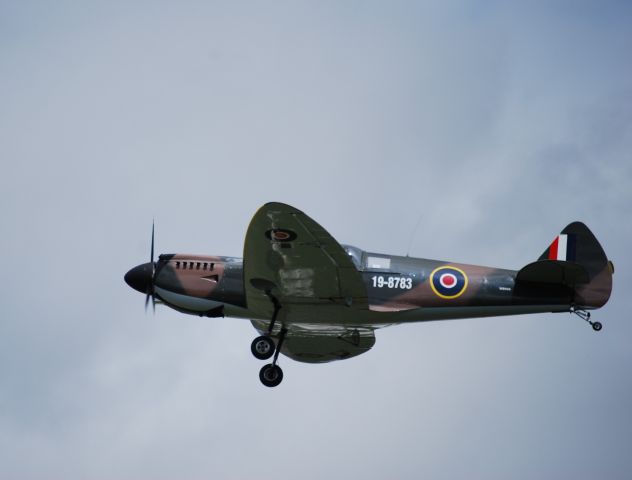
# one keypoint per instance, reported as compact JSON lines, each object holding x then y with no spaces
{"x":315,"y":300}
{"x":399,"y":289}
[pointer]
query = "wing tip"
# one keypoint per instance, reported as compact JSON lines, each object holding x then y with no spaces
{"x":280,"y":206}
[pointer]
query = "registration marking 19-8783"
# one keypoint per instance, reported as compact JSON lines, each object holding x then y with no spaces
{"x":402,"y":283}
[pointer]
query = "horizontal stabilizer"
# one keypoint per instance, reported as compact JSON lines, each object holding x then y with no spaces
{"x":553,"y":272}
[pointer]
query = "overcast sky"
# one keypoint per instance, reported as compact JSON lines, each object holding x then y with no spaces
{"x":495,"y":124}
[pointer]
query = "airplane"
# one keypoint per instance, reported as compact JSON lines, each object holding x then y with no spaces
{"x":316,"y":301}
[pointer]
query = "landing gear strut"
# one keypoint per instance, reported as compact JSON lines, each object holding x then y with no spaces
{"x":584,"y":315}
{"x":263,"y":348}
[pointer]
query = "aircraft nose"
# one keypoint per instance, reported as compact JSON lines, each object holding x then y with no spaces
{"x":139,"y":277}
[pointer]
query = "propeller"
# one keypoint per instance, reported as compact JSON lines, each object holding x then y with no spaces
{"x":150,"y":287}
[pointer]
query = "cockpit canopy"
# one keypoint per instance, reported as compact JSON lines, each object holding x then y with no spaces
{"x":356,"y":255}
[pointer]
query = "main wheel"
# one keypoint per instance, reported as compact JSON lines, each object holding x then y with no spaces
{"x":262,"y":347}
{"x":271,"y":375}
{"x":596,"y":326}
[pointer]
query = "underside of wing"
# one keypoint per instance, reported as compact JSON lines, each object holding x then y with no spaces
{"x":315,"y":344}
{"x":291,"y":258}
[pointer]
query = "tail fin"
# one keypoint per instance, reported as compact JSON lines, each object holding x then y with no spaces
{"x":575,"y":260}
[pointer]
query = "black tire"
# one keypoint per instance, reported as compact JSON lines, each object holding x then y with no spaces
{"x":597,"y":326}
{"x":262,"y":347}
{"x":271,"y":375}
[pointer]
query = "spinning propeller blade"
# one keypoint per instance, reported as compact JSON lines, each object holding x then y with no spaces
{"x":150,"y":287}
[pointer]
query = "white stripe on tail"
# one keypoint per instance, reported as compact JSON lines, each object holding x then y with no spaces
{"x":562,"y":247}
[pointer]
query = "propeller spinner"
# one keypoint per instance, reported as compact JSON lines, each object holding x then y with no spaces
{"x":141,"y":277}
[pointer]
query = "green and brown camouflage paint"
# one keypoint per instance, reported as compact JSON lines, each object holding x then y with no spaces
{"x":573,"y":274}
{"x":220,"y":281}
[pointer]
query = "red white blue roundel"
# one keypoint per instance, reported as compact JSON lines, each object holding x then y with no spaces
{"x":448,"y":282}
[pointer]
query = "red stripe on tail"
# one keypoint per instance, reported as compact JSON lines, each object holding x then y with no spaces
{"x":553,"y":249}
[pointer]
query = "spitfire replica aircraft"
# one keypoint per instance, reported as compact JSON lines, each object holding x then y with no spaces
{"x":315,"y":300}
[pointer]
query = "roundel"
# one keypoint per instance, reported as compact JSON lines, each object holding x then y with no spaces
{"x":448,"y":282}
{"x":281,"y":235}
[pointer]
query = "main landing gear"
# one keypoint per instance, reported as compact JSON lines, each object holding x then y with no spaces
{"x":584,"y":315}
{"x":263,"y":347}
{"x":271,"y":375}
